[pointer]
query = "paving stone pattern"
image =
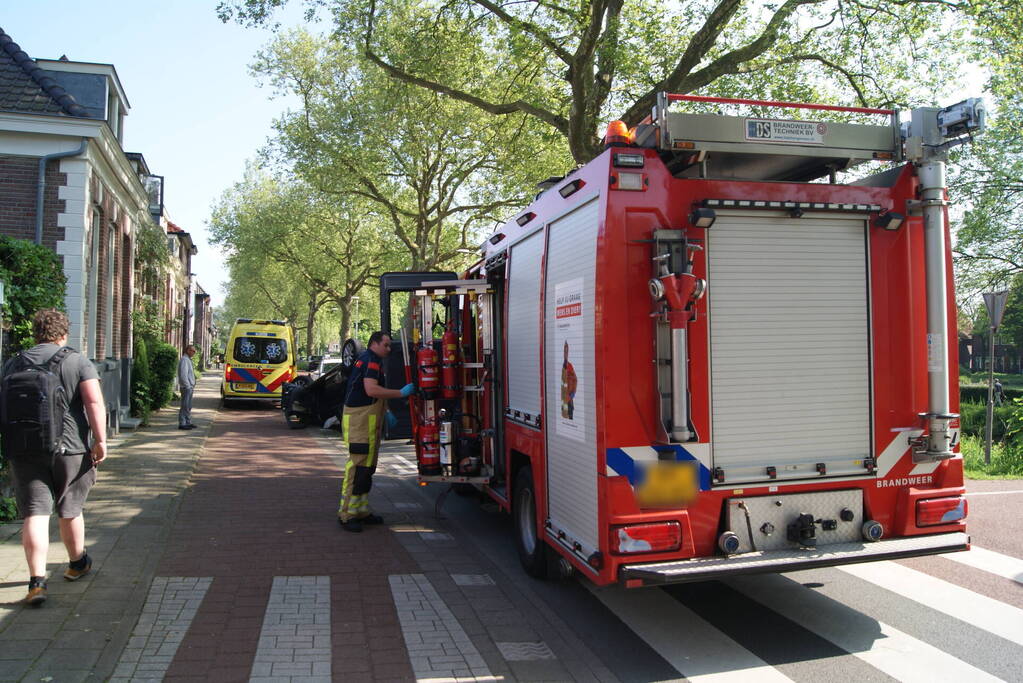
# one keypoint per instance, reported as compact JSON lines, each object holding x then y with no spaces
{"x":437,"y":645}
{"x":166,"y":616}
{"x":80,"y":632}
{"x":263,"y":504}
{"x":295,"y":640}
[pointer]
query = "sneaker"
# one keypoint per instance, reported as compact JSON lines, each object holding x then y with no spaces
{"x":372,"y":519}
{"x":351,"y":525}
{"x":73,"y":574}
{"x":36,"y":596}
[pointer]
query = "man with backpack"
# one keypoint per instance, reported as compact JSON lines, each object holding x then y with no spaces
{"x":50,"y":400}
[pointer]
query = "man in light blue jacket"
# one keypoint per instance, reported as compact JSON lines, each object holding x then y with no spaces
{"x":186,"y":383}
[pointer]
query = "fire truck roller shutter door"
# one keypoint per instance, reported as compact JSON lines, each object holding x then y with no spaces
{"x":570,"y":413}
{"x":524,"y":325}
{"x":790,"y":345}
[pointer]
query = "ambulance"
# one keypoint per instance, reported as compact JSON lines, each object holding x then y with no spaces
{"x":260,"y":358}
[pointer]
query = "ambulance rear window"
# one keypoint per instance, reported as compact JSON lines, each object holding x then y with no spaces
{"x":260,"y":350}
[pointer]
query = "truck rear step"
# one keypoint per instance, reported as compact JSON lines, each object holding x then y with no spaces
{"x":705,"y":569}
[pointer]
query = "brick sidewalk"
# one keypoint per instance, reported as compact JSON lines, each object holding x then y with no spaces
{"x":218,"y":557}
{"x":262,"y":505}
{"x":79,"y":632}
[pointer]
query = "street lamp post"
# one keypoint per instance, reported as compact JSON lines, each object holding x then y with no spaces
{"x":995,"y":303}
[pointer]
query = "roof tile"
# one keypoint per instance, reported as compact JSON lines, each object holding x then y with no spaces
{"x":24,"y":87}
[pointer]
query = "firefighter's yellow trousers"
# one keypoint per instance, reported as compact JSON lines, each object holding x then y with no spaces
{"x":362,"y":429}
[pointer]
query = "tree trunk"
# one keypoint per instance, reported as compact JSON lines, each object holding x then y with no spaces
{"x":310,"y":322}
{"x":346,"y":320}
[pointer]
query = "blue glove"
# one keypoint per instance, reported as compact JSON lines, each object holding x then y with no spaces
{"x":408,"y":390}
{"x":392,"y":420}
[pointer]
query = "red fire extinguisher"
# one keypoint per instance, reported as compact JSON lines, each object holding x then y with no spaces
{"x":429,"y":449}
{"x":449,"y":365}
{"x":426,"y":359}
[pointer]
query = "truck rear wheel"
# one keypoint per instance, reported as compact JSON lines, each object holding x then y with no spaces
{"x":532,"y":549}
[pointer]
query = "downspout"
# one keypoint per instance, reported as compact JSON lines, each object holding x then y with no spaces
{"x":41,"y":184}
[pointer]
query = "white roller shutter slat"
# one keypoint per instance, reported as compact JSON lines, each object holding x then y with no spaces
{"x":571,"y":462}
{"x":524,"y":325}
{"x":790,"y":345}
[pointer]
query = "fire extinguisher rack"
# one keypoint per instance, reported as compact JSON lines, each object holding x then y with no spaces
{"x":441,"y":379}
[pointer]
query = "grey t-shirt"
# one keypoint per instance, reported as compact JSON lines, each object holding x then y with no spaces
{"x":75,"y":369}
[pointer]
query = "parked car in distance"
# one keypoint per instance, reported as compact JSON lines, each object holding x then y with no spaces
{"x":323,"y":366}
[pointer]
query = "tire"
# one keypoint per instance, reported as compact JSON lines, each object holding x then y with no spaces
{"x":532,"y":548}
{"x":350,"y":350}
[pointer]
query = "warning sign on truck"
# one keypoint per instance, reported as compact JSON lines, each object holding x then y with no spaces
{"x":774,"y":130}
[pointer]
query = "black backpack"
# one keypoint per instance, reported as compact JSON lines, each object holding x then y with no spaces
{"x":33,"y":403}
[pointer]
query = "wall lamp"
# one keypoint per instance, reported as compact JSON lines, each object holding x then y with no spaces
{"x":889,"y":220}
{"x":702,"y":218}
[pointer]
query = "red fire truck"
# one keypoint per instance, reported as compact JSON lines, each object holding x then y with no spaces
{"x":701,"y":355}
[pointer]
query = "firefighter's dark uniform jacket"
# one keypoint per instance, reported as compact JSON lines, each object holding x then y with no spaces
{"x":362,"y":420}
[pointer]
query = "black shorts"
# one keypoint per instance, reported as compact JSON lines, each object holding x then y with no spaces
{"x":37,"y":484}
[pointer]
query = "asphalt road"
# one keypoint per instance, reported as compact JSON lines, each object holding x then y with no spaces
{"x":927,"y":619}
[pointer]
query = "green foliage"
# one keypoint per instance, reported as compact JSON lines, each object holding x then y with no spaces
{"x":1006,"y":463}
{"x":163,"y":365}
{"x":141,"y":382}
{"x":8,"y":509}
{"x":973,"y":417}
{"x":1007,"y":446}
{"x":33,"y":279}
{"x":571,"y":66}
{"x":151,"y":255}
{"x":977,"y":393}
{"x":147,"y":321}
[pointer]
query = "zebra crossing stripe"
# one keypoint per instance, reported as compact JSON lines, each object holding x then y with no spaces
{"x":960,"y":603}
{"x":295,"y":639}
{"x":170,"y":607}
{"x":695,"y":648}
{"x":889,"y":650}
{"x":989,"y":561}
{"x":438,"y":647}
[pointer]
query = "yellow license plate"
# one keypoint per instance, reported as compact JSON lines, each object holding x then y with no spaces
{"x":244,"y":386}
{"x":668,"y":484}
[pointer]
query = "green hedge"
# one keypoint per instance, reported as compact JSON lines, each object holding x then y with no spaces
{"x":973,"y":417}
{"x":163,"y":366}
{"x":977,"y":393}
{"x":141,"y":379}
{"x":33,"y":279}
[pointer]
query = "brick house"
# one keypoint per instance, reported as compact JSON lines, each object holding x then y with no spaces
{"x":66,"y":183}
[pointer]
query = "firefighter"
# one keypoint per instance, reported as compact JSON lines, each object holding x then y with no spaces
{"x":569,"y":383}
{"x":363,"y":419}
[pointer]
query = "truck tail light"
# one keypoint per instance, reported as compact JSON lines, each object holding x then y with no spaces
{"x":646,"y":538}
{"x":933,"y":511}
{"x":227,"y":371}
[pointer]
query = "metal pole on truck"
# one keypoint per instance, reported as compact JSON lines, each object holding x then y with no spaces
{"x":995,"y":303}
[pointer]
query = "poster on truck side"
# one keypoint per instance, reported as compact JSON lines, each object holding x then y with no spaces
{"x":568,"y":345}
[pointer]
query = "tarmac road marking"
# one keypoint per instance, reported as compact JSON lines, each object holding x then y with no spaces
{"x":695,"y":648}
{"x":960,"y":603}
{"x":438,"y":647}
{"x":992,"y":493}
{"x":170,"y":607}
{"x":989,"y":561}
{"x":295,"y":638}
{"x":880,"y":645}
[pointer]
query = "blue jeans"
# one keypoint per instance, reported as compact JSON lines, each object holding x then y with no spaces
{"x":185,"y":413}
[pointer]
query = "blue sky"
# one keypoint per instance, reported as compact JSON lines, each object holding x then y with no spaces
{"x":196,"y":113}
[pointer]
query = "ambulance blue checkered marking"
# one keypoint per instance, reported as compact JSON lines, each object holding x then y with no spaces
{"x":623,"y":462}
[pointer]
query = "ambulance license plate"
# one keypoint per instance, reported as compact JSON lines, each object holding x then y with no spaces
{"x":668,"y":484}
{"x":244,"y":386}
